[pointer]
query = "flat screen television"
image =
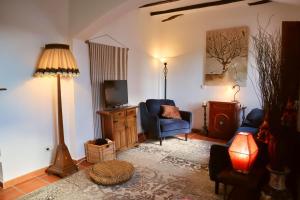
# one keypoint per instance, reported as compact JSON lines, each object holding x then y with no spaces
{"x":115,"y":93}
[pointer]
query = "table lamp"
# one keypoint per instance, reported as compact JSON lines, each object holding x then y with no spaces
{"x":57,"y":60}
{"x":243,"y":152}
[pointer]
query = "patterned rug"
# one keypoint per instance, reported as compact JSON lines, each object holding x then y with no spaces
{"x":176,"y":170}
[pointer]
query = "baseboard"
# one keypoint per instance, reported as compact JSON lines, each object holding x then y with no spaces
{"x":23,"y":178}
{"x":79,"y":160}
{"x":29,"y":176}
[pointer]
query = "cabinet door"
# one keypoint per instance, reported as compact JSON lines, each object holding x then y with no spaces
{"x":131,"y":130}
{"x":119,"y":133}
{"x":222,"y":119}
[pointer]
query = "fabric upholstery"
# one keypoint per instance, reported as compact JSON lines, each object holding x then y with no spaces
{"x":173,"y":124}
{"x":171,"y":112}
{"x":158,"y":127}
{"x":254,"y":118}
{"x":153,"y":105}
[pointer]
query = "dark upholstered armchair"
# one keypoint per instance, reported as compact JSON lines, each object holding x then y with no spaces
{"x":219,"y":161}
{"x":158,"y":127}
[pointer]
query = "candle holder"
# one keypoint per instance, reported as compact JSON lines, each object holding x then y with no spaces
{"x":243,"y":113}
{"x":205,"y":129}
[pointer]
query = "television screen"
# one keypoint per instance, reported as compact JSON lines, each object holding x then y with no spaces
{"x":115,"y":93}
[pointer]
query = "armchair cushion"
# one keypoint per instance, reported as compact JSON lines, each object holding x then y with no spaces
{"x":254,"y":118}
{"x":153,"y":105}
{"x":173,"y":124}
{"x":171,"y":112}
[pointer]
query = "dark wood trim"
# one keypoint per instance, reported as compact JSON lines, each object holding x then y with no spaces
{"x":195,"y":6}
{"x":171,"y":18}
{"x":259,"y":2}
{"x":158,"y":3}
{"x":63,"y":164}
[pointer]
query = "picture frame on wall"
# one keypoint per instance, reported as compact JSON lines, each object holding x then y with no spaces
{"x":226,"y":56}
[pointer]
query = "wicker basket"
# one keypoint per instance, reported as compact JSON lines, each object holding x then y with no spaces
{"x":96,"y":153}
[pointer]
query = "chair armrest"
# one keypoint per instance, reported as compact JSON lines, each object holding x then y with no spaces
{"x":186,"y":115}
{"x":150,"y":123}
{"x":219,"y":160}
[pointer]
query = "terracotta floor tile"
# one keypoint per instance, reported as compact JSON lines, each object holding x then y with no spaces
{"x":10,"y":193}
{"x":31,"y":185}
{"x":49,"y":178}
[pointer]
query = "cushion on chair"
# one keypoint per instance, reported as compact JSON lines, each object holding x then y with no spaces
{"x":171,"y":112}
{"x":254,"y":118}
{"x":173,"y":124}
{"x":111,"y":172}
{"x":153,"y":105}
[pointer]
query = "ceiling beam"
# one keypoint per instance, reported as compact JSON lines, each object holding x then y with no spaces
{"x":158,"y":3}
{"x":195,"y":6}
{"x":259,"y":2}
{"x":172,"y":17}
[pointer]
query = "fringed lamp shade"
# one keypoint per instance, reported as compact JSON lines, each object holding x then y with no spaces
{"x":243,"y":152}
{"x":57,"y":59}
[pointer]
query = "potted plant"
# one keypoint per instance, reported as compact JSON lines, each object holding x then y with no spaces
{"x":274,"y":130}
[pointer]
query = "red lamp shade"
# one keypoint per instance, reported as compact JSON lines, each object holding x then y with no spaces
{"x":243,"y":152}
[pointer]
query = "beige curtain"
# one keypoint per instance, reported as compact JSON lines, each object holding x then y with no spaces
{"x":106,"y":63}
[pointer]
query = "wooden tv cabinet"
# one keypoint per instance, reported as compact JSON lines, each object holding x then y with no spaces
{"x":223,"y":119}
{"x":119,"y":125}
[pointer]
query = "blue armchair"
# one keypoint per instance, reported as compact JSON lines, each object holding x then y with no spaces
{"x":159,"y":127}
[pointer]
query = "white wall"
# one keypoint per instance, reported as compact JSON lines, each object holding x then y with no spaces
{"x":84,"y":13}
{"x":83,"y":98}
{"x":28,"y":107}
{"x":183,"y":42}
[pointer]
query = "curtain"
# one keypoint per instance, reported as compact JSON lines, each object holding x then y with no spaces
{"x":106,"y":63}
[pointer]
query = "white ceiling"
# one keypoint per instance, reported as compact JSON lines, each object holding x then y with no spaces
{"x":295,"y":2}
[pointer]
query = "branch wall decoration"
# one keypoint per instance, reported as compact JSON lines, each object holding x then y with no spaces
{"x":226,"y":56}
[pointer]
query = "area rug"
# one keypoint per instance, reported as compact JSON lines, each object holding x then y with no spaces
{"x":176,"y":170}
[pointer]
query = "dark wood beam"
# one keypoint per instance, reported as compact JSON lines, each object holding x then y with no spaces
{"x":259,"y":2}
{"x":158,"y":3}
{"x":195,"y":6}
{"x":172,"y":17}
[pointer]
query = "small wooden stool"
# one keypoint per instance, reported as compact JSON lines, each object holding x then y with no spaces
{"x":111,"y":172}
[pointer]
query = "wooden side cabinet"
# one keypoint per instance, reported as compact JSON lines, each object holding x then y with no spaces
{"x":223,"y":119}
{"x":119,"y":125}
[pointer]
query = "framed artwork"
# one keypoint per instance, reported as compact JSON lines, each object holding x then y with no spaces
{"x":226,"y":56}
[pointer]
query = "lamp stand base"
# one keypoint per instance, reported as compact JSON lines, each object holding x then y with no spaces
{"x":63,"y":164}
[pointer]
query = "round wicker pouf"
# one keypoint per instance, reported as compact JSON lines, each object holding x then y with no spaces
{"x":111,"y":172}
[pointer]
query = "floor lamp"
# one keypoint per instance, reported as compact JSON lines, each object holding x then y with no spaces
{"x":165,"y":75}
{"x":57,"y":60}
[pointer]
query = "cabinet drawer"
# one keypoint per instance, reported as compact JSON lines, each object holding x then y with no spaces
{"x":131,"y":112}
{"x":118,"y":115}
{"x":119,"y":123}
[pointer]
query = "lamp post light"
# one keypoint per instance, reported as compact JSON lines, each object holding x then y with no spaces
{"x":205,"y":128}
{"x":165,"y":74}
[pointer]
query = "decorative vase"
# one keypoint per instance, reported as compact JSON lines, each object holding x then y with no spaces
{"x":276,"y":189}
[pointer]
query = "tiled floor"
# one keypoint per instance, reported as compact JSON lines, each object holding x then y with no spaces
{"x":32,"y":184}
{"x":41,"y":181}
